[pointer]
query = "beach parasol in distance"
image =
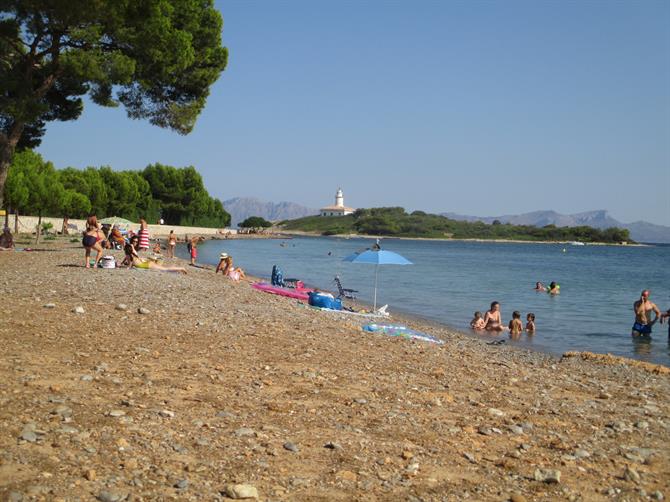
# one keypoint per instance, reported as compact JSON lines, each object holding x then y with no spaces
{"x":116,"y":220}
{"x":377,"y":256}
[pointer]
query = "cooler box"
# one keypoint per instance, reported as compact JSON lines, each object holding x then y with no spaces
{"x":324,"y":300}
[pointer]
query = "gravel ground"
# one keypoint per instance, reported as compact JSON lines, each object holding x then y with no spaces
{"x":145,"y":385}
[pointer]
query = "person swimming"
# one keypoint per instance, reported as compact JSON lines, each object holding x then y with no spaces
{"x":540,"y":287}
{"x":492,"y":320}
{"x":478,"y":321}
{"x":554,"y":289}
{"x":530,"y":323}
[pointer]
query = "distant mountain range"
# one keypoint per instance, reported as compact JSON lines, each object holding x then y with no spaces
{"x":240,"y":208}
{"x":640,"y":231}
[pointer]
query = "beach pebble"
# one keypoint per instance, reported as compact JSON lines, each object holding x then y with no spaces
{"x":244,"y":432}
{"x":49,"y":305}
{"x":29,"y":436}
{"x":581,"y":454}
{"x":547,"y":475}
{"x":630,"y":474}
{"x":105,"y":496}
{"x":361,"y":400}
{"x":517,"y":497}
{"x":515,"y":429}
{"x":240,"y":492}
{"x":86,"y":378}
{"x":15,"y":496}
{"x":122,"y":306}
{"x":116,"y":413}
{"x":166,"y":413}
{"x":495,"y":412}
{"x":79,"y":310}
{"x":470,"y":457}
{"x":291,"y":447}
{"x":182,"y":484}
{"x":642,"y":424}
{"x":657,"y":495}
{"x":62,"y":411}
{"x":143,"y":311}
{"x":332,"y":445}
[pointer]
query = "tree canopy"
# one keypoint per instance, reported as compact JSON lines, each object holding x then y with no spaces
{"x":255,"y":222}
{"x":158,"y":58}
{"x":177,"y":195}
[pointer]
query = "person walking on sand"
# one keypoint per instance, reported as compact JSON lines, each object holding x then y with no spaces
{"x":492,"y":320}
{"x":172,"y":244}
{"x":194,"y":248}
{"x":92,"y":239}
{"x":643,"y":309}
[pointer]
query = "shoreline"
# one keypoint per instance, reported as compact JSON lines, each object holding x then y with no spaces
{"x":448,"y":239}
{"x":196,"y":383}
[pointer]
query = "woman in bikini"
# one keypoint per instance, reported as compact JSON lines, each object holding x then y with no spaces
{"x":492,"y":318}
{"x":133,"y":260}
{"x":93,"y":239}
{"x":172,"y":244}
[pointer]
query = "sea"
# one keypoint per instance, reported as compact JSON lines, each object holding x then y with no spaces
{"x":450,"y":280}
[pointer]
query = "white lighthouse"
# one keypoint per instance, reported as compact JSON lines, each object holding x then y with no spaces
{"x":339,"y":209}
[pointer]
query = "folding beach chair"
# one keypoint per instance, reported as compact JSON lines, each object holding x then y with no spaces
{"x":346,"y":293}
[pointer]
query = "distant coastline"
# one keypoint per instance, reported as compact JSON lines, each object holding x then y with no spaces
{"x":451,"y":239}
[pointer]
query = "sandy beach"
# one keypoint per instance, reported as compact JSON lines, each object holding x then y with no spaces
{"x":185,"y":387}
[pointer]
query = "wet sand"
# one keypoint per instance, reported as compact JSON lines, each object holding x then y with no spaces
{"x":215,"y":384}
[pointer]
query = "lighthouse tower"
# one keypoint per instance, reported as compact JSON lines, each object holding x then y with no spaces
{"x":339,"y":209}
{"x":339,"y":198}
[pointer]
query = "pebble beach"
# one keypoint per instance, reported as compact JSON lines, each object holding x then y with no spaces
{"x":145,"y":385}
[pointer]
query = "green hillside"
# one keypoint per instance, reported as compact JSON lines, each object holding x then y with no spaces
{"x":395,"y":222}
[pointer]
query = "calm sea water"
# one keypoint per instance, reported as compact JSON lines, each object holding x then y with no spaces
{"x":451,"y":280}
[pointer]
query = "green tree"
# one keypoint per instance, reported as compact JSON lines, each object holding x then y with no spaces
{"x":255,"y":222}
{"x":40,"y":180}
{"x":158,"y":58}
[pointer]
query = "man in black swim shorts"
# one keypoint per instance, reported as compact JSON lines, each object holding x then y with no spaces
{"x":643,"y":309}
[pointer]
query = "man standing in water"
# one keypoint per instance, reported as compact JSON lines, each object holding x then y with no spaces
{"x":643,"y":308}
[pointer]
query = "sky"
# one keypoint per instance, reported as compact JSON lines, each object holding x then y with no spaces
{"x":476,"y":107}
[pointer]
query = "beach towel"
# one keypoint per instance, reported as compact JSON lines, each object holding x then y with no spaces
{"x":402,"y":332}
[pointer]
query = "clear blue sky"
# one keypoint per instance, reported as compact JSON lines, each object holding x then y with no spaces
{"x":481,"y":108}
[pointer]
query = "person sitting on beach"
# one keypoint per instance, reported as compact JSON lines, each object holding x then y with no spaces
{"x":157,"y":247}
{"x":540,"y":287}
{"x":643,"y":309}
{"x":116,"y":237}
{"x":515,"y":326}
{"x":530,"y":323}
{"x":554,"y":289}
{"x":135,"y":261}
{"x":478,"y":321}
{"x":492,"y":320}
{"x":92,"y":239}
{"x":6,"y":240}
{"x":226,"y":267}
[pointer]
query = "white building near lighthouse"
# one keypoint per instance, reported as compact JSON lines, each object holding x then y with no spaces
{"x":339,"y":209}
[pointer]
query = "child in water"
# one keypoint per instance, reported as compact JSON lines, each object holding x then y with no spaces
{"x":515,"y":326}
{"x":530,"y":323}
{"x":478,"y":321}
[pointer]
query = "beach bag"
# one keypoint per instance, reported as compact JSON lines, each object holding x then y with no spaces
{"x":277,"y":278}
{"x":108,"y":262}
{"x":324,"y":300}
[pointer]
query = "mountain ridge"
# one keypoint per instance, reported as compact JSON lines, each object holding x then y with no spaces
{"x":240,"y":208}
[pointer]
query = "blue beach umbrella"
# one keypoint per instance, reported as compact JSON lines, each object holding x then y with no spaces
{"x":377,"y":257}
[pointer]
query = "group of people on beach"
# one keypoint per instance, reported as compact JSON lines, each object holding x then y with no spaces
{"x":492,"y":322}
{"x":95,"y":238}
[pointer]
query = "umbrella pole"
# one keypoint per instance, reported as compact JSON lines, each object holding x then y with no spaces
{"x":374,"y":305}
